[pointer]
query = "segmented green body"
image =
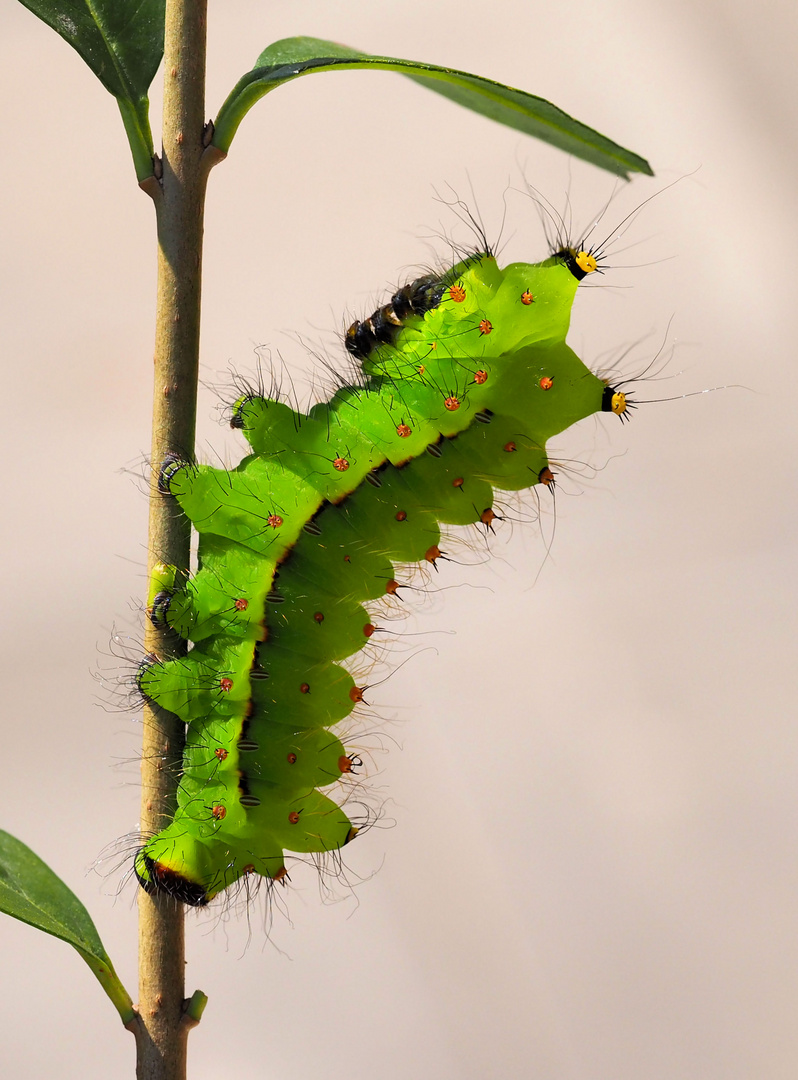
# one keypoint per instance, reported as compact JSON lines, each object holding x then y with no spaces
{"x":311,"y":525}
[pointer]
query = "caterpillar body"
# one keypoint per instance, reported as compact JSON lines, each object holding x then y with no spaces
{"x":463,"y":378}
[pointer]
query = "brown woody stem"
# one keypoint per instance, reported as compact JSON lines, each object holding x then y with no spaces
{"x":178,"y":191}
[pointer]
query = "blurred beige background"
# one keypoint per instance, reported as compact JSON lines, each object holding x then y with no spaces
{"x":592,"y":872}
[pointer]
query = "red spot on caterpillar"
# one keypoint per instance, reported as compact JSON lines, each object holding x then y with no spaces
{"x":220,"y":753}
{"x":527,"y":297}
{"x":319,"y":617}
{"x":432,"y":553}
{"x":226,"y":685}
{"x":341,"y":464}
{"x":457,"y":482}
{"x":291,"y":758}
{"x":241,"y":605}
{"x":369,"y":629}
{"x":452,"y":404}
{"x":546,"y":476}
{"x":304,"y":688}
{"x":278,"y":875}
{"x":403,"y":431}
{"x":356,"y":694}
{"x":485,"y":326}
{"x":457,"y":293}
{"x":248,"y":869}
{"x":391,"y":587}
{"x":347,"y":559}
{"x":293,"y":817}
{"x":401,"y":515}
{"x":218,"y":813}
{"x":487,"y":516}
{"x":509,"y":447}
{"x":546,"y":382}
{"x":345,"y":763}
{"x":480,"y":377}
{"x":274,"y":520}
{"x":421,"y":369}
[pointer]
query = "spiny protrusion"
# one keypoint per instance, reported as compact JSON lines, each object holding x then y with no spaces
{"x":580,"y":263}
{"x":432,"y":553}
{"x":613,"y":400}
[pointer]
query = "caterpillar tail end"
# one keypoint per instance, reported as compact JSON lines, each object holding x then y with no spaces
{"x":158,"y":879}
{"x":165,"y":867}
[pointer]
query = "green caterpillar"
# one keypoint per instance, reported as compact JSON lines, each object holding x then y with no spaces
{"x":464,"y":377}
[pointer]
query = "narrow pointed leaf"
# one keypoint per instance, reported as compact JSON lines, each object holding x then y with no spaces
{"x":32,"y":893}
{"x":292,"y":57}
{"x":122,"y":42}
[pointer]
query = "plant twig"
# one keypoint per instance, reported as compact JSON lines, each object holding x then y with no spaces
{"x":179,"y":197}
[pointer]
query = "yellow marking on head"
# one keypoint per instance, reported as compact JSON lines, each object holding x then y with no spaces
{"x":618,"y":403}
{"x":586,"y":262}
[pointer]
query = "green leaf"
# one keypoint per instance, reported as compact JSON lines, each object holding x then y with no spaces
{"x":288,"y":59}
{"x":32,"y":893}
{"x":122,"y":42}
